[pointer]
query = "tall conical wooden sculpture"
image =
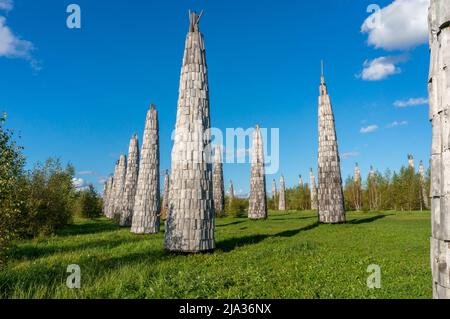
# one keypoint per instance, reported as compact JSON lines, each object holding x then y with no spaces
{"x":330,"y":194}
{"x":312,"y":182}
{"x":231,"y":191}
{"x":107,"y":195}
{"x":410,"y":161}
{"x":282,"y":199}
{"x":300,"y":182}
{"x":131,"y":180}
{"x":147,"y":201}
{"x":190,"y":221}
{"x":357,"y":189}
{"x":119,"y":183}
{"x":110,"y":209}
{"x":439,"y":94}
{"x":218,"y":184}
{"x":257,"y":200}
{"x":274,"y":189}
{"x":423,"y":186}
{"x":165,"y":199}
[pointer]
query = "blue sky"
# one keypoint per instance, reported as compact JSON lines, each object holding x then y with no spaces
{"x":81,"y":94}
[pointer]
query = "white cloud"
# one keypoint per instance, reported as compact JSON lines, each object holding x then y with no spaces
{"x":348,"y":155}
{"x":399,"y":26}
{"x":411,"y":102}
{"x":79,"y":183}
{"x":368,"y":129}
{"x":6,"y":5}
{"x":13,"y":46}
{"x":87,"y":173}
{"x":380,"y":68}
{"x":397,"y":123}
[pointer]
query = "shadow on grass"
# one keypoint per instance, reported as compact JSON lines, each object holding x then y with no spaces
{"x":92,"y":227}
{"x":231,"y":244}
{"x":367,"y":220}
{"x":34,"y":251}
{"x":233,"y":223}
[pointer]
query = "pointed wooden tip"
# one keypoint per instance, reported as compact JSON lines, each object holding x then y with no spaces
{"x":152,"y":107}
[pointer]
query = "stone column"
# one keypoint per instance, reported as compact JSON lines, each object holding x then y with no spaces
{"x":110,"y":209}
{"x":119,"y":183}
{"x":107,"y":195}
{"x":330,"y":194}
{"x":231,"y":191}
{"x":147,"y":206}
{"x":257,"y":200}
{"x":131,"y":180}
{"x":423,"y":186}
{"x":282,"y":199}
{"x":165,"y":200}
{"x":218,"y":184}
{"x":372,"y":188}
{"x":190,"y":222}
{"x":274,"y":189}
{"x":410,"y":161}
{"x":300,"y":182}
{"x":358,"y":190}
{"x":439,"y":94}
{"x":312,"y":182}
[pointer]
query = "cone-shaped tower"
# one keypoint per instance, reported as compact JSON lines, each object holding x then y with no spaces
{"x":274,"y":189}
{"x":312,"y":182}
{"x":110,"y":209}
{"x":231,"y":190}
{"x":357,"y":188}
{"x":410,"y":161}
{"x":300,"y":182}
{"x":439,"y":93}
{"x":282,"y":199}
{"x":147,"y":200}
{"x":330,"y":194}
{"x":257,"y":200}
{"x":423,"y":186}
{"x":119,"y":183}
{"x":218,"y":184}
{"x":107,"y":195}
{"x":131,"y":179}
{"x":190,"y":221}
{"x":165,"y":199}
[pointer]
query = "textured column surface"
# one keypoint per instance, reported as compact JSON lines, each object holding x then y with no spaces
{"x":330,"y":194}
{"x":190,"y":221}
{"x":147,"y":201}
{"x":439,"y":95}
{"x":218,"y":184}
{"x":107,"y":195}
{"x":282,"y":199}
{"x":131,"y":180}
{"x":312,"y":182}
{"x":358,"y":190}
{"x":165,"y":199}
{"x":110,"y":209}
{"x":274,"y":189}
{"x":257,"y":200}
{"x":231,"y":191}
{"x":423,"y":186}
{"x":119,"y":183}
{"x":410,"y":161}
{"x":300,"y":182}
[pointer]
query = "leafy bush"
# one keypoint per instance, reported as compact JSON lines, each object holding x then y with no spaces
{"x":11,"y":177}
{"x":49,"y":199}
{"x":88,"y":203}
{"x":236,"y":207}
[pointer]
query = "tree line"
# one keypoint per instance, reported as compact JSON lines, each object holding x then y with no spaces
{"x":38,"y":201}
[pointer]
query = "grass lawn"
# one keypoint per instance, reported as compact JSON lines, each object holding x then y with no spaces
{"x":287,"y":256}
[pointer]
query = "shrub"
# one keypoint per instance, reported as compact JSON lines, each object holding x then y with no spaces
{"x":88,"y":203}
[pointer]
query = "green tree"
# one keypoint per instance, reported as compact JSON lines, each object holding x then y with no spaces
{"x":11,"y":177}
{"x":88,"y":203}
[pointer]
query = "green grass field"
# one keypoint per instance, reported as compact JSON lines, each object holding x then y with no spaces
{"x":287,"y":256}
